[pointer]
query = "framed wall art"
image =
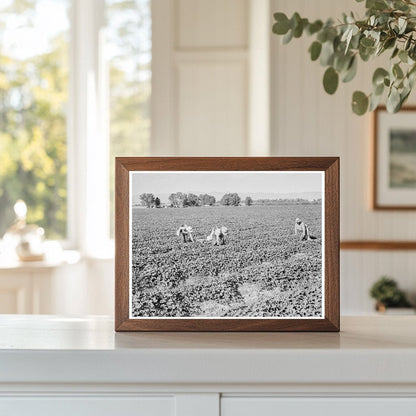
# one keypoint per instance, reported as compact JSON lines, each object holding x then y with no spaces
{"x":394,"y":155}
{"x":227,"y":244}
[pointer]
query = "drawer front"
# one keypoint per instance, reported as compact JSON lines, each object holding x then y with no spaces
{"x":267,"y":406}
{"x":87,"y":406}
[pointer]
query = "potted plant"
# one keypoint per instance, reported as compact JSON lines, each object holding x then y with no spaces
{"x":387,"y":294}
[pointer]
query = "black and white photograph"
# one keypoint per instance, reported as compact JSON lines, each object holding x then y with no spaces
{"x":226,"y":244}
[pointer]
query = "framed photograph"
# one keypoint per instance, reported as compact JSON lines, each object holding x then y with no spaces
{"x":227,"y":244}
{"x":394,"y":184}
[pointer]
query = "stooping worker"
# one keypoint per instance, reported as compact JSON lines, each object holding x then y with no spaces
{"x":186,"y":232}
{"x":303,"y":229}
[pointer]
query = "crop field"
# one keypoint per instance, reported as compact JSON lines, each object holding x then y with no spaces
{"x":263,"y":270}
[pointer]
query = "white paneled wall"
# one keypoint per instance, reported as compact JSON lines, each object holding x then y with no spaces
{"x":202,"y":50}
{"x":308,"y":122}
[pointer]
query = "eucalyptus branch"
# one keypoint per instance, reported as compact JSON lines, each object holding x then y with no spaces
{"x":388,"y":26}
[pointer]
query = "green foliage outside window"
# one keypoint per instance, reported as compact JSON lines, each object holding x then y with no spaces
{"x":33,"y":98}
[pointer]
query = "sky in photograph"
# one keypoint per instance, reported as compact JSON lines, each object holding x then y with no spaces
{"x":259,"y":185}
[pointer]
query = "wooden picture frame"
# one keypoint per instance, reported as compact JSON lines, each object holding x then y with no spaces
{"x":137,"y":171}
{"x":390,"y":189}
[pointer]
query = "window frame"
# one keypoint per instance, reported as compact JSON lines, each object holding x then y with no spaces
{"x":87,"y":133}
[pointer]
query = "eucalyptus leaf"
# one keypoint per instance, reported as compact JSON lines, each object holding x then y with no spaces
{"x":341,"y":62}
{"x":360,"y":103}
{"x":397,"y":71}
{"x":402,"y":22}
{"x":367,"y":42}
{"x":400,"y":5}
{"x":403,"y":56}
{"x":374,"y":101}
{"x":315,"y":50}
{"x":296,"y":25}
{"x":379,"y":89}
{"x":288,"y":37}
{"x":314,"y":27}
{"x":282,"y":25}
{"x":376,"y":4}
{"x":408,"y":42}
{"x":389,"y":43}
{"x":330,"y":81}
{"x":395,"y":52}
{"x":327,"y":54}
{"x":351,"y":71}
{"x":393,"y":101}
{"x":379,"y":75}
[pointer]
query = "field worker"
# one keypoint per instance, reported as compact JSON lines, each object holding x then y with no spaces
{"x":186,"y":232}
{"x":304,"y":231}
{"x":217,"y":236}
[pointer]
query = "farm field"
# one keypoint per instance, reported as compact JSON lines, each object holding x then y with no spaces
{"x":263,"y":270}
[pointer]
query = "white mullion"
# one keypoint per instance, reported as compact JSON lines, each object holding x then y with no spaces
{"x":89,"y":141}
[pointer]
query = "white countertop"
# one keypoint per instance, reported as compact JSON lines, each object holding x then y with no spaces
{"x":55,"y":349}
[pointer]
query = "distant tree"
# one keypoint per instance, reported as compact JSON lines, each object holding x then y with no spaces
{"x":157,"y":202}
{"x":148,"y":200}
{"x":230,"y":199}
{"x":178,"y":200}
{"x":248,"y":201}
{"x":193,"y":200}
{"x":207,"y":199}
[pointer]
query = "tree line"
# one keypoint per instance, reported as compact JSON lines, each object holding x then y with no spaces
{"x":182,"y":200}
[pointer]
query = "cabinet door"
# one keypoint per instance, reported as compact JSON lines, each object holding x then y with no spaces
{"x":88,"y":406}
{"x":271,"y":406}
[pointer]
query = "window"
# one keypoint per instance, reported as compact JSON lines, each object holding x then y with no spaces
{"x":75,"y":87}
{"x":129,"y":43}
{"x":33,"y":104}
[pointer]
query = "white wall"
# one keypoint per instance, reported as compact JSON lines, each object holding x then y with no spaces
{"x":308,"y":122}
{"x":207,"y":75}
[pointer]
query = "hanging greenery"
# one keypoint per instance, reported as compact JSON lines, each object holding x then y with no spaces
{"x":389,"y":27}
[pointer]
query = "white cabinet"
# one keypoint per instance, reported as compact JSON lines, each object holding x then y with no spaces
{"x":80,"y":366}
{"x":88,"y":406}
{"x":261,"y":406}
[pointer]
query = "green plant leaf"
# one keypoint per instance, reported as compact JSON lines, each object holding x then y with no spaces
{"x":403,"y":56}
{"x":393,"y":101}
{"x":374,"y":102}
{"x":397,"y":71}
{"x":389,"y":43}
{"x":315,"y":50}
{"x":327,"y":54}
{"x":330,"y":80}
{"x":408,"y":42}
{"x":282,"y":25}
{"x":367,"y":42}
{"x":314,"y":27}
{"x":341,"y":62}
{"x":376,"y":4}
{"x":351,"y":71}
{"x":296,"y":25}
{"x":359,"y":103}
{"x":395,"y":52}
{"x":400,"y":5}
{"x":379,"y":75}
{"x":366,"y":53}
{"x":288,"y":37}
{"x":402,"y":22}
